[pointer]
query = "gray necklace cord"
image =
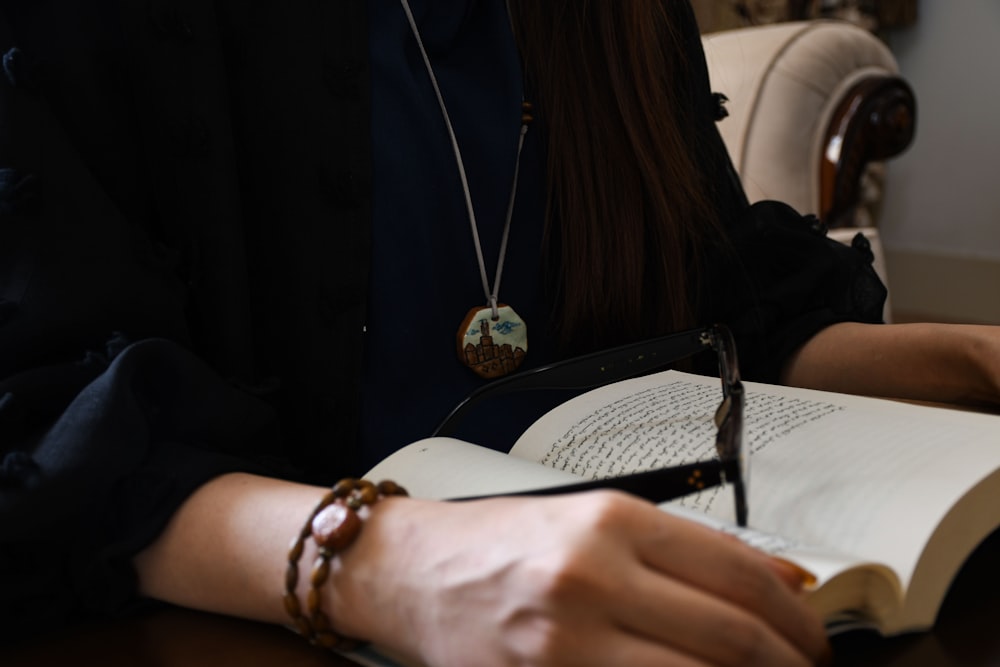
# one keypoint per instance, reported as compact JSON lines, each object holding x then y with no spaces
{"x":491,"y":294}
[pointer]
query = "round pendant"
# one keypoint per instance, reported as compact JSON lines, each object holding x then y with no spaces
{"x":492,"y":347}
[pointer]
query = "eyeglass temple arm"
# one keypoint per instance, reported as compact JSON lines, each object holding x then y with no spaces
{"x":724,"y":345}
{"x":656,"y":486}
{"x":590,"y":370}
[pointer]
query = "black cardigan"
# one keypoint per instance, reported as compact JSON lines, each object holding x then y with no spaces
{"x":184,"y":249}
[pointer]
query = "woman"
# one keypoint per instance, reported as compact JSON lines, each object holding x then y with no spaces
{"x":230,"y":227}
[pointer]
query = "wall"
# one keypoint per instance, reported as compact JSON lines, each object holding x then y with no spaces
{"x":941,"y":217}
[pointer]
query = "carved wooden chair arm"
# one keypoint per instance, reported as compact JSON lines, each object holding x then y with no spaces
{"x":874,"y":121}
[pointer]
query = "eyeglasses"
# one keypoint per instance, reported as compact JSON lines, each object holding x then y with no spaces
{"x":601,"y":368}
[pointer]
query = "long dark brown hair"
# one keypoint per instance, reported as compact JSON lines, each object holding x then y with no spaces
{"x":629,"y":207}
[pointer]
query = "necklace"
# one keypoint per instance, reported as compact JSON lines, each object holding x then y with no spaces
{"x":492,"y":340}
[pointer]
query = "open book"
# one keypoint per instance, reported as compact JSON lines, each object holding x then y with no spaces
{"x":882,"y":500}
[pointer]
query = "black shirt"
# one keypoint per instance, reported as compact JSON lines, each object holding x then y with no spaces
{"x":186,"y":229}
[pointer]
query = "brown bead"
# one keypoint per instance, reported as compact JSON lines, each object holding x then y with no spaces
{"x":295,"y":550}
{"x":291,"y":576}
{"x":292,"y":605}
{"x":344,"y":487}
{"x":304,"y":627}
{"x":313,"y":602}
{"x":368,"y":494}
{"x":321,"y":570}
{"x":327,"y":640}
{"x":321,"y":623}
{"x":389,"y":488}
{"x":336,"y":527}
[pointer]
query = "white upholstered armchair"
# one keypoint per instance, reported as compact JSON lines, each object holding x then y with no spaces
{"x":814,"y":109}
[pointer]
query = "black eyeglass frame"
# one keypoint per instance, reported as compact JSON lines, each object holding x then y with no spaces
{"x":601,"y":368}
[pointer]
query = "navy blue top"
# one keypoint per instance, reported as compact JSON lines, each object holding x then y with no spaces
{"x":425,"y":276}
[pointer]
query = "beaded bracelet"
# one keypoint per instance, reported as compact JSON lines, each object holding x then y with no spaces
{"x":334,"y":524}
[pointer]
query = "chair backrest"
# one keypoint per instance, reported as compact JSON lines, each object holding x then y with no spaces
{"x":785,"y":83}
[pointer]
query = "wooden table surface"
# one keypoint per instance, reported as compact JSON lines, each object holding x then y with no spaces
{"x":967,"y":634}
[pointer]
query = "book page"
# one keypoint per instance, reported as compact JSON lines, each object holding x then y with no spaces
{"x":439,"y":468}
{"x":870,"y":591}
{"x":867,"y":477}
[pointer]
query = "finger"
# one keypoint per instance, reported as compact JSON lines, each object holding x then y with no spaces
{"x":793,"y":574}
{"x":729,"y":570}
{"x":697,"y":623}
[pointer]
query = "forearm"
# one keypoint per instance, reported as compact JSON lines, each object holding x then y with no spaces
{"x":932,"y":362}
{"x":225,"y":549}
{"x":589,"y":579}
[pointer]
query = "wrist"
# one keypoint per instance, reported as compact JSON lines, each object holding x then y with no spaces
{"x":330,"y":530}
{"x":981,"y":351}
{"x":361,"y":589}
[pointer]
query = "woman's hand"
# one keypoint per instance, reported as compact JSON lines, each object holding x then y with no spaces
{"x":588,"y":579}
